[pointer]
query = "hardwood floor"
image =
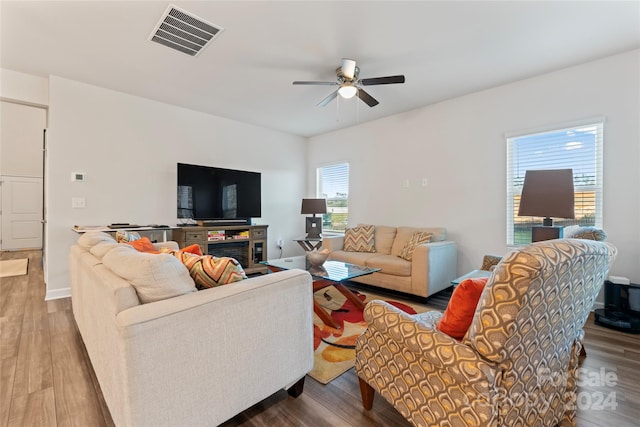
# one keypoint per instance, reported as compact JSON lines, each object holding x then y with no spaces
{"x":46,"y":378}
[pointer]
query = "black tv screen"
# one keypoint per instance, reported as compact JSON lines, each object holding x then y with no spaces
{"x":209,"y":193}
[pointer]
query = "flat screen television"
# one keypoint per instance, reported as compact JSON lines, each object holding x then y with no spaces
{"x":215,"y":194}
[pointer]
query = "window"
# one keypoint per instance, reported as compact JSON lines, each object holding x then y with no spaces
{"x":578,"y":148}
{"x":333,"y":185}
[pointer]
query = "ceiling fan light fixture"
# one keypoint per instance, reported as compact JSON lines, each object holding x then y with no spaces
{"x":347,"y":91}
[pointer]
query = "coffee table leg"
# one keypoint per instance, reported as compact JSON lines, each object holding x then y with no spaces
{"x":357,"y":302}
{"x":324,"y":316}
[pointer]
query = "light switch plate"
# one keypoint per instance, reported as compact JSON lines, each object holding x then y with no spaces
{"x":78,"y":202}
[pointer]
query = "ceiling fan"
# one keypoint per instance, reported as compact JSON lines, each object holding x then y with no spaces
{"x":351,"y":85}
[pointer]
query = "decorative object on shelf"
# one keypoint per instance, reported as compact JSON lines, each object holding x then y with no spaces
{"x":317,"y":258}
{"x":314,"y":224}
{"x":547,"y":193}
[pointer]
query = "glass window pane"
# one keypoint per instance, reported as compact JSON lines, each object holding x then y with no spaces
{"x":578,"y":148}
{"x":333,"y":185}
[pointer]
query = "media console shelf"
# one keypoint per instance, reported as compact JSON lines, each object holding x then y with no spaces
{"x":245,"y":243}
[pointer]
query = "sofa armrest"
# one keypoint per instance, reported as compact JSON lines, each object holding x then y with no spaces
{"x":333,"y":243}
{"x":256,"y":334}
{"x":433,"y":267}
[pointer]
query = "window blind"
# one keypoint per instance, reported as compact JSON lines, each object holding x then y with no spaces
{"x":333,"y":185}
{"x":578,"y":148}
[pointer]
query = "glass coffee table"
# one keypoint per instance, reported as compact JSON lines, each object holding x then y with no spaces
{"x":331,"y":273}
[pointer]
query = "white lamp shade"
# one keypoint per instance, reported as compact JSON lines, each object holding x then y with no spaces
{"x":347,"y":91}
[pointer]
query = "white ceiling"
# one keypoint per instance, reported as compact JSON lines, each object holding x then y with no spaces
{"x":444,"y":48}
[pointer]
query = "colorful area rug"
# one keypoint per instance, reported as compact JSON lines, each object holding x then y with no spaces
{"x":13,"y":267}
{"x":334,"y":349}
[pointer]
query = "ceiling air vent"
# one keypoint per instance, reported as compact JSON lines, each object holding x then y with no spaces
{"x":183,"y":31}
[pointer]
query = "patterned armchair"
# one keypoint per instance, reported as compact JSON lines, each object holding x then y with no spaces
{"x":516,"y":366}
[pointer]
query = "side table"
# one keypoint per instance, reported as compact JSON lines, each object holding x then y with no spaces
{"x":309,"y":244}
{"x":475,"y":274}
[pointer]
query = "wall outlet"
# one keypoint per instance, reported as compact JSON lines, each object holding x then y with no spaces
{"x":279,"y":243}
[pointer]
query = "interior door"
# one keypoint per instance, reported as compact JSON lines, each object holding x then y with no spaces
{"x":21,"y":217}
{"x":21,"y":175}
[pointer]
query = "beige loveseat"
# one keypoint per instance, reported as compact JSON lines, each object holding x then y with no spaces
{"x":431,"y":269}
{"x":196,"y":359}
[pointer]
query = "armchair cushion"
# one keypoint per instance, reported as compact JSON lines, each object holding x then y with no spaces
{"x":462,"y":306}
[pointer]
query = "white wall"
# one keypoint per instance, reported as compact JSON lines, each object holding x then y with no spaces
{"x":24,"y":87}
{"x":459,"y":146}
{"x":129,"y":147}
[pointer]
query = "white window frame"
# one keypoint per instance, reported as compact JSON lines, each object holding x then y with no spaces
{"x":513,"y":189}
{"x":321,"y":194}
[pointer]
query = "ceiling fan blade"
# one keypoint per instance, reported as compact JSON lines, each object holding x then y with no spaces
{"x":315,"y":83}
{"x":348,"y":68}
{"x":328,"y":99}
{"x":367,"y":99}
{"x":382,"y":80}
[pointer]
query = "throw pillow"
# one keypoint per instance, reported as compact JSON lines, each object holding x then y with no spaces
{"x":462,"y":306}
{"x":208,"y":271}
{"x":418,"y":238}
{"x":123,"y":236}
{"x":192,"y":249}
{"x":143,"y":245}
{"x":359,"y":239}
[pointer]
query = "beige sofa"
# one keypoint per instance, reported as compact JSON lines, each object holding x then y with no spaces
{"x":431,"y":269}
{"x":196,"y":359}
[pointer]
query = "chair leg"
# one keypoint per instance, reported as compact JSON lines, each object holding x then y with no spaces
{"x":367,"y":393}
{"x":296,"y":389}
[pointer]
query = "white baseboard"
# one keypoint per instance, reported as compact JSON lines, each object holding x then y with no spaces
{"x":57,"y":294}
{"x":597,"y":305}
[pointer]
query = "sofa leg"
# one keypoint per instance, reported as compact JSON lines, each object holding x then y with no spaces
{"x":296,"y":389}
{"x":367,"y":393}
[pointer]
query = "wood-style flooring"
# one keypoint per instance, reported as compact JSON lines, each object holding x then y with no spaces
{"x":46,"y":378}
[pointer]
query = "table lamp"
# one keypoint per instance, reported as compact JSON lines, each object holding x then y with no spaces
{"x":547,"y":193}
{"x":314,"y":224}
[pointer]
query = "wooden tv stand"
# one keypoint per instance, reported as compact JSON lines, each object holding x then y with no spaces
{"x":245,"y":243}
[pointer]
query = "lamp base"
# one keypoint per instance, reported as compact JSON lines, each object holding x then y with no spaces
{"x":313,"y":227}
{"x":541,"y":233}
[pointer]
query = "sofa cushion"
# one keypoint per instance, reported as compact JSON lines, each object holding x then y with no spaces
{"x":357,"y":258}
{"x":418,"y":238}
{"x":438,"y":234}
{"x":359,"y":239}
{"x":390,"y":265}
{"x":208,"y":271}
{"x":92,"y":238}
{"x":384,"y":237}
{"x":461,"y":308}
{"x":154,"y":276}
{"x":585,"y":232}
{"x":101,"y":249}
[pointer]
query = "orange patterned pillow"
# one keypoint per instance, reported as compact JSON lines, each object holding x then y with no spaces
{"x":462,"y":306}
{"x":209,"y":271}
{"x":418,"y":238}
